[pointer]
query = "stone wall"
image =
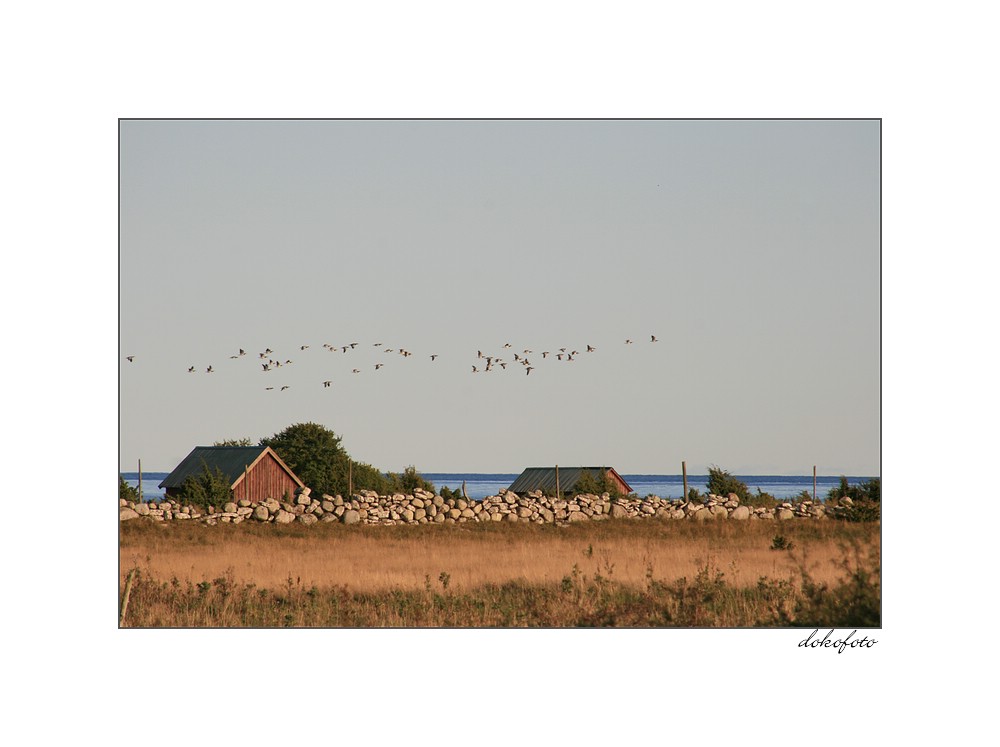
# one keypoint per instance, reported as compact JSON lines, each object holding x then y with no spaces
{"x":422,"y":507}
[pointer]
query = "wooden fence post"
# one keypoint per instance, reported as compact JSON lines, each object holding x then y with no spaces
{"x":814,"y":483}
{"x":125,"y":596}
{"x":350,"y":478}
{"x":558,"y":497}
{"x":140,"y":482}
{"x":684,"y":469}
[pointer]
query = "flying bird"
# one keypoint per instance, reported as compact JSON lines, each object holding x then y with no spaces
{"x":303,"y":347}
{"x":242,"y":351}
{"x":327,"y":383}
{"x":284,"y":387}
{"x":434,"y":356}
{"x":503,"y":366}
{"x":528,"y":370}
{"x":475,"y":370}
{"x":208,"y":370}
{"x":356,"y":370}
{"x":507,"y":345}
{"x":628,"y":342}
{"x":191,"y":370}
{"x":378,"y":366}
{"x":266,"y":367}
{"x":652,"y":338}
{"x":591,"y":349}
{"x":129,"y":358}
{"x":545,"y":353}
{"x":268,"y":388}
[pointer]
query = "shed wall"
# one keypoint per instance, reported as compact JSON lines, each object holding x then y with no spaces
{"x":266,"y":480}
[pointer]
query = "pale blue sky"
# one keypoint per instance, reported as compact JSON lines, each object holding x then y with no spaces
{"x":750,"y":249}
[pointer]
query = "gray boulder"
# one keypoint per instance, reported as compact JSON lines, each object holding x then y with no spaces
{"x":742,"y":513}
{"x":351,"y":517}
{"x":125,"y":513}
{"x":260,"y":513}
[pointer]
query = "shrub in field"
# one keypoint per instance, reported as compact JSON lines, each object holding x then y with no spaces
{"x":722,"y":483}
{"x":855,"y":602}
{"x":766,"y":500}
{"x":869,"y":491}
{"x":408,"y":481}
{"x":210,"y":488}
{"x":595,"y":484}
{"x":126,"y":491}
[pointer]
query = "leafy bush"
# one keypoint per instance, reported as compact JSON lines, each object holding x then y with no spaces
{"x":722,"y":483}
{"x":126,"y":491}
{"x":855,"y":602}
{"x":865,"y":503}
{"x":765,"y":500}
{"x":408,"y":481}
{"x":869,"y":491}
{"x":234,"y":442}
{"x":595,"y":484}
{"x":210,"y":488}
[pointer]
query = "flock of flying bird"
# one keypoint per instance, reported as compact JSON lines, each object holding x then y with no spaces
{"x":484,"y":362}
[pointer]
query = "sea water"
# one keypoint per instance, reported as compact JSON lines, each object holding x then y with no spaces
{"x":478,"y":485}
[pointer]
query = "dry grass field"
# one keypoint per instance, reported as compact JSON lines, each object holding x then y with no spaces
{"x":456,"y":574}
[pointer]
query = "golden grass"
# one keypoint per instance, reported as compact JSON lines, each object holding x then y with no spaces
{"x":377,"y":559}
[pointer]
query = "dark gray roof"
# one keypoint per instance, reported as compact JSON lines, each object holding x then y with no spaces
{"x":229,"y":460}
{"x":544,"y":478}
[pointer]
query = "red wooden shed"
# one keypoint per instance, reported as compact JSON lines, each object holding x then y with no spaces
{"x":255,"y":473}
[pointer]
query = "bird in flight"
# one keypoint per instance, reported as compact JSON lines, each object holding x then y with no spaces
{"x":591,"y":348}
{"x":242,"y":351}
{"x":327,"y":383}
{"x":545,"y":353}
{"x":528,"y":370}
{"x":233,"y":357}
{"x":191,"y":370}
{"x":129,"y":358}
{"x":652,"y":338}
{"x":378,"y":366}
{"x":475,"y":370}
{"x":506,"y":344}
{"x":208,"y":370}
{"x":268,"y":388}
{"x":503,"y":366}
{"x":434,"y":356}
{"x":284,"y":387}
{"x":356,"y":370}
{"x":266,"y":367}
{"x":628,"y":342}
{"x":303,"y":347}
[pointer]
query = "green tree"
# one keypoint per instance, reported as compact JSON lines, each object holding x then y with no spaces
{"x":234,"y":442}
